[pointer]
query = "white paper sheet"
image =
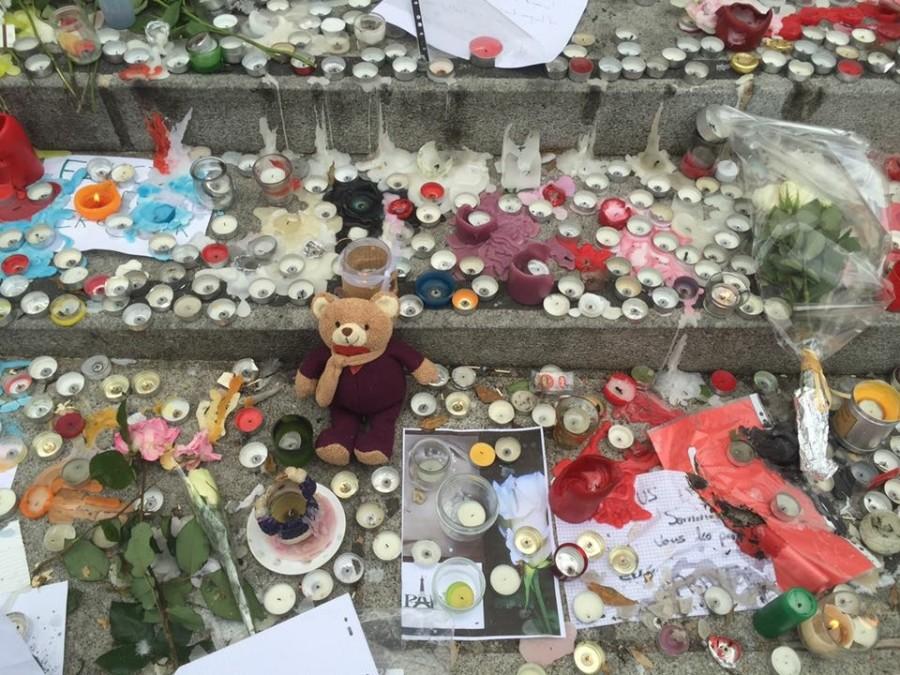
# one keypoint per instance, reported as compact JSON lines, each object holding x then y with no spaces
{"x":683,"y":536}
{"x":45,"y":610}
{"x":14,"y":574}
{"x":327,"y":640}
{"x":15,"y":657}
{"x":7,"y":477}
{"x":91,"y":236}
{"x":531,"y":31}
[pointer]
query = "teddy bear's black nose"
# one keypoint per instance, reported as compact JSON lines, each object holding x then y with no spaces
{"x":346,"y":330}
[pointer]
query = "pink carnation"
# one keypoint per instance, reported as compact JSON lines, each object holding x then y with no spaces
{"x":198,"y":450}
{"x":151,"y":438}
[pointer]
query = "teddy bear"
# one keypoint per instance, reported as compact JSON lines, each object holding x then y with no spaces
{"x":360,"y":375}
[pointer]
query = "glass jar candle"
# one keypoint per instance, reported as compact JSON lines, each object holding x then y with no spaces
{"x":429,"y":462}
{"x":274,"y":174}
{"x":76,"y":35}
{"x":369,"y":29}
{"x":576,"y":420}
{"x":205,"y":53}
{"x":212,"y":184}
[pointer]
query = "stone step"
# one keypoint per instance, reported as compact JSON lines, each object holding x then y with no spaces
{"x":472,"y":112}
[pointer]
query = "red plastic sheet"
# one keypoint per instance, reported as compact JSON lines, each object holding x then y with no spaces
{"x":804,"y":551}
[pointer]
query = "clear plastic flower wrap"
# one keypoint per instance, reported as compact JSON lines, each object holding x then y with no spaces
{"x":818,"y":206}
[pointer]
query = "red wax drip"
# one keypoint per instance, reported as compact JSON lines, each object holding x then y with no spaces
{"x":159,"y":134}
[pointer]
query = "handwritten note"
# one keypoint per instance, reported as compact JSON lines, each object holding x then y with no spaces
{"x":684,"y":546}
{"x":531,"y":31}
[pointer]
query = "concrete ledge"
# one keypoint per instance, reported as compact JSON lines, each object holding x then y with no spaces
{"x":492,"y":337}
{"x":471,"y":112}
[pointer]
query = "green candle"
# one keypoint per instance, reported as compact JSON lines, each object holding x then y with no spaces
{"x":785,"y":612}
{"x":204,"y":53}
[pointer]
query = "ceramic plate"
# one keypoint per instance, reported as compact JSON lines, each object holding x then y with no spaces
{"x":262,"y":549}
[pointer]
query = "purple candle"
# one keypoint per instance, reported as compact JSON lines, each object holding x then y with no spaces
{"x":530,"y":280}
{"x":473,"y":225}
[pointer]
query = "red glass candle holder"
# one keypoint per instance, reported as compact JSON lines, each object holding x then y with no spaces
{"x":741,"y":27}
{"x":614,"y":212}
{"x":577,"y":492}
{"x":698,"y":162}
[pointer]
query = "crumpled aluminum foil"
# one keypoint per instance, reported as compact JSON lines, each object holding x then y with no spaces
{"x":812,"y":430}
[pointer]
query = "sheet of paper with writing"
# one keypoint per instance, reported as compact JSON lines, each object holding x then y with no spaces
{"x":685,"y":545}
{"x":532,"y":31}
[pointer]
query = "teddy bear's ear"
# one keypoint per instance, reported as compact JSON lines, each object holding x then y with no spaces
{"x":387,"y":303}
{"x":320,"y":302}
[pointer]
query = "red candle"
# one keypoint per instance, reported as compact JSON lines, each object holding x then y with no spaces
{"x":525,"y":286}
{"x":577,"y":492}
{"x":215,"y":255}
{"x":723,"y":382}
{"x":17,"y":263}
{"x":614,"y":212}
{"x":95,"y":286}
{"x":248,"y":419}
{"x":484,"y":50}
{"x":850,"y":67}
{"x":69,"y":425}
{"x":432,"y":191}
{"x":402,"y":208}
{"x":698,"y":162}
{"x":554,"y":195}
{"x":893,"y":282}
{"x":741,"y":27}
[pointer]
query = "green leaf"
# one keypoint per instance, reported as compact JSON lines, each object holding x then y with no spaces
{"x":112,"y":469}
{"x":217,"y":595}
{"x":176,"y":591}
{"x":142,"y":591}
{"x":73,"y":601}
{"x":191,"y":547}
{"x":171,"y":13}
{"x":192,"y":28}
{"x":112,"y":529}
{"x":123,"y":660}
{"x":126,"y":622}
{"x":122,"y":421}
{"x":138,"y":552}
{"x":86,"y":562}
{"x":187,"y":617}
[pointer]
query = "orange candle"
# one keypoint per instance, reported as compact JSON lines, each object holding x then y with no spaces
{"x":465,"y":301}
{"x":98,"y":202}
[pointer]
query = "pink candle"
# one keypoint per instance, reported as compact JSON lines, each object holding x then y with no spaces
{"x":525,"y":287}
{"x":614,"y":212}
{"x":474,"y":226}
{"x":484,"y":50}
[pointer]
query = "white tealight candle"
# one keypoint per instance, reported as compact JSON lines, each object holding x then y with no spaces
{"x":479,"y":218}
{"x":718,"y":600}
{"x":589,"y":657}
{"x":544,"y":415}
{"x":471,"y":514}
{"x":224,"y":226}
{"x":317,"y":585}
{"x":272,"y":175}
{"x":620,"y":437}
{"x":538,"y":268}
{"x":387,"y":545}
{"x":369,"y":515}
{"x":587,"y":607}
{"x":871,"y":408}
{"x":38,"y":191}
{"x":557,"y":305}
{"x":785,"y":661}
{"x":279,"y":599}
{"x":505,"y":580}
{"x":501,"y":412}
{"x":576,"y":421}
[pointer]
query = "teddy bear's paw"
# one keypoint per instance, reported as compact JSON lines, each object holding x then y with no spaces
{"x":334,"y":453}
{"x":372,"y":458}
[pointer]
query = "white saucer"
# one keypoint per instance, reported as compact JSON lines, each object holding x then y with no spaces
{"x":263,"y":550}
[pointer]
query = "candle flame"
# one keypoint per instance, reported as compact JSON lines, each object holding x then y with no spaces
{"x":833,"y":623}
{"x":97,"y":197}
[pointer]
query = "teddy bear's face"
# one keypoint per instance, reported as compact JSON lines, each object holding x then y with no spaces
{"x":353,"y":326}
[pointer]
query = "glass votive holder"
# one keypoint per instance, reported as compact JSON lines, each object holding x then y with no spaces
{"x":205,"y":53}
{"x":466,"y":506}
{"x":76,"y":35}
{"x":212,"y":184}
{"x":458,"y":584}
{"x":274,"y":174}
{"x":576,"y":419}
{"x":429,"y":462}
{"x":369,"y":29}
